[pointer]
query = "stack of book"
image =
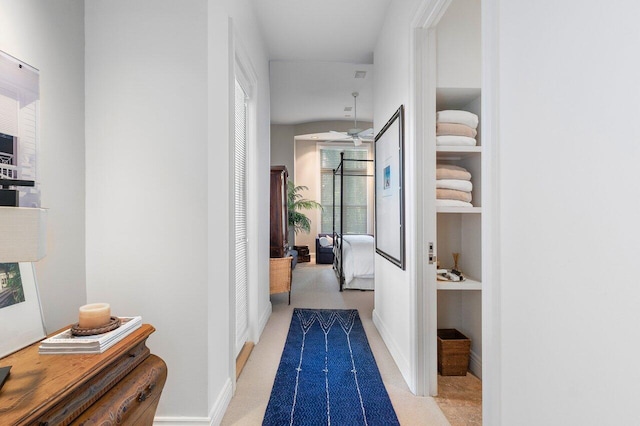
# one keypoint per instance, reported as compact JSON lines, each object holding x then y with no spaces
{"x":67,"y":343}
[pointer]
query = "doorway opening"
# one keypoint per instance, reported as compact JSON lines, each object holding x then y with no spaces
{"x":449,"y":75}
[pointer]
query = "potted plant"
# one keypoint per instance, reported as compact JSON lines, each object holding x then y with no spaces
{"x":295,"y":203}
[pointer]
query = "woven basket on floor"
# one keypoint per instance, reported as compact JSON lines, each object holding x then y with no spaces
{"x":453,"y":352}
{"x":280,"y":275}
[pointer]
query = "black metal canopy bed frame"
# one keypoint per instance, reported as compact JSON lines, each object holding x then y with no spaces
{"x":353,"y":253}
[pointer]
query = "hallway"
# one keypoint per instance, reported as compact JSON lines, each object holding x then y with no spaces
{"x":315,"y":286}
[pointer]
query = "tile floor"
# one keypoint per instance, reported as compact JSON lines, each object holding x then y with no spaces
{"x":460,"y":399}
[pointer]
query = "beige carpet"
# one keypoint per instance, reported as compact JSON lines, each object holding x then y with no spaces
{"x":315,"y":286}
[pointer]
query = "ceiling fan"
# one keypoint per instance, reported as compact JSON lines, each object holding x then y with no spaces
{"x":356,"y":135}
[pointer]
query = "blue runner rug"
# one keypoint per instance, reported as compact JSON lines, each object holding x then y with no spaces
{"x":327,"y":374}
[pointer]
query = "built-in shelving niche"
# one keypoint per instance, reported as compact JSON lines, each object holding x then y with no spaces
{"x":459,"y":230}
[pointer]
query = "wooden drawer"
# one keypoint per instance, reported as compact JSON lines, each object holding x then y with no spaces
{"x":55,"y":389}
{"x":133,"y":401}
{"x":302,"y":250}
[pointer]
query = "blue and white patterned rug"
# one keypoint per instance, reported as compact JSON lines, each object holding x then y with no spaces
{"x":327,"y":374}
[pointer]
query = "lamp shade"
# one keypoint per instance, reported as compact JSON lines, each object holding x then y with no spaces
{"x":22,"y":234}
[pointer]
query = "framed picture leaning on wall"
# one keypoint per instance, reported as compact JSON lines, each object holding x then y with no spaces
{"x":20,"y":314}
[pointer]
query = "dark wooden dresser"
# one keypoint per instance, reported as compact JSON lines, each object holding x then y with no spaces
{"x":121,"y":386}
{"x":279,"y":219}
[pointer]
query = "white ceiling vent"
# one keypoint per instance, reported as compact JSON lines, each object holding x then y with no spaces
{"x":360,"y":74}
{"x":348,"y":108}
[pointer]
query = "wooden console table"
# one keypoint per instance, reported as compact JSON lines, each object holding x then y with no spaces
{"x":121,"y":386}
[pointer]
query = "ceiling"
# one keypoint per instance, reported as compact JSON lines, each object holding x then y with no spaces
{"x":302,"y":92}
{"x":315,"y":47}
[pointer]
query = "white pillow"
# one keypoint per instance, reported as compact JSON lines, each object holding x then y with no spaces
{"x":325,"y":241}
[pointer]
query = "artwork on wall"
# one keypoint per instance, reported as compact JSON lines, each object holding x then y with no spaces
{"x":11,"y":289}
{"x":389,"y":160}
{"x":19,"y":128}
{"x":20,"y":313}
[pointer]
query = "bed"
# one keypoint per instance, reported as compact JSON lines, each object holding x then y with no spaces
{"x":353,"y":254}
{"x":353,"y":261}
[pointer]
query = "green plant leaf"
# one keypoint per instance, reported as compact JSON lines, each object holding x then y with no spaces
{"x":295,"y":202}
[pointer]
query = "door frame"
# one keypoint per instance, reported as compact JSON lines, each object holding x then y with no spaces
{"x":241,"y":67}
{"x":423,"y":89}
{"x":423,"y":95}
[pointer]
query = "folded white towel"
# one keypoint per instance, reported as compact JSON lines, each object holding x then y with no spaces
{"x":457,"y":184}
{"x":457,"y":116}
{"x":455,"y":141}
{"x":452,"y":203}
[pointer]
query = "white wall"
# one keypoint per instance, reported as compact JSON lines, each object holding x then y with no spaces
{"x":146,"y":119}
{"x":394,"y":287}
{"x":50,"y":37}
{"x":158,"y":80}
{"x":308,"y":174}
{"x":569,"y":235}
{"x":282,"y":146}
{"x":458,"y":46}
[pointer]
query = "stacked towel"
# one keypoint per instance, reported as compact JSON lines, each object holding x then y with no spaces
{"x":449,"y":171}
{"x":453,"y":186}
{"x":457,"y":117}
{"x":456,"y":128}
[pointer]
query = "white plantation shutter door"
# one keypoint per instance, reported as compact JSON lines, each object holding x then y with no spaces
{"x":240,"y":196}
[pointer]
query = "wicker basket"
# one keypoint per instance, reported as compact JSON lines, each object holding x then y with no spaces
{"x":280,"y":275}
{"x":453,"y":352}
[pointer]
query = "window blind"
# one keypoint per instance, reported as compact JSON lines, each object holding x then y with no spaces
{"x":355,"y":190}
{"x":240,"y":197}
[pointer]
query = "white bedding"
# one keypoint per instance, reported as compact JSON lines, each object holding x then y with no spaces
{"x":358,"y":262}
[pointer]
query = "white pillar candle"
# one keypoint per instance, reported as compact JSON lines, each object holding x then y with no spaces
{"x":94,"y":315}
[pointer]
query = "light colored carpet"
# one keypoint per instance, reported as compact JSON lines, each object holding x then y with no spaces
{"x":316,"y":286}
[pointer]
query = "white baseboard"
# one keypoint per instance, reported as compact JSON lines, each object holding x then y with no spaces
{"x":181,"y":421}
{"x":262,"y":322}
{"x":215,"y":415}
{"x":222,"y":402}
{"x":403,"y":364}
{"x":475,"y":364}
